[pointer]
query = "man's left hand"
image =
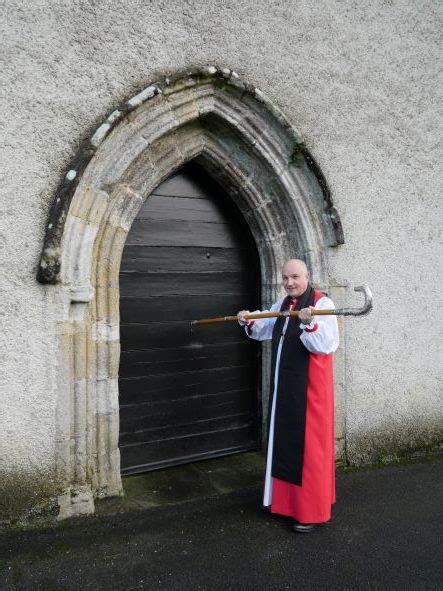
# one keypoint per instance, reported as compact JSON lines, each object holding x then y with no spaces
{"x":305,"y":315}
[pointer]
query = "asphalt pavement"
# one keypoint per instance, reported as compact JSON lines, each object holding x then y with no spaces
{"x":384,"y":535}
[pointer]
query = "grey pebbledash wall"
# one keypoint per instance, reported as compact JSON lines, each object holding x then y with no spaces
{"x":359,"y":83}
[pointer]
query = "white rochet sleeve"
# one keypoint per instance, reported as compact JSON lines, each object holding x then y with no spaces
{"x":323,"y":340}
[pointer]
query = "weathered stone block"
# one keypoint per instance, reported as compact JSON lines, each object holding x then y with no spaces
{"x":89,"y":204}
{"x":103,"y":331}
{"x":108,"y":359}
{"x":76,"y":501}
{"x":77,"y":255}
{"x":109,"y":255}
{"x":125,"y":206}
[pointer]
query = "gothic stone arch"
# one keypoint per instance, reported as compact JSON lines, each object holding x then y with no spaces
{"x":248,"y":146}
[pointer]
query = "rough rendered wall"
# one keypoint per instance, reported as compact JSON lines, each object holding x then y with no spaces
{"x":358,"y":79}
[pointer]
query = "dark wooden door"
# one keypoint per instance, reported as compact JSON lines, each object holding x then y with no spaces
{"x":186,"y":396}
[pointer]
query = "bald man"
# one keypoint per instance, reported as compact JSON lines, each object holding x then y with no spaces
{"x":300,"y":468}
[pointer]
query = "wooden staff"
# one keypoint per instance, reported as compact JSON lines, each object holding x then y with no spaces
{"x":365,"y":309}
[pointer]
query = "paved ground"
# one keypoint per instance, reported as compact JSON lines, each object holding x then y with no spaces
{"x":384,"y":536}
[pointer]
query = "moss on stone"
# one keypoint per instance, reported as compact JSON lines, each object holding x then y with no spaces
{"x":24,"y":498}
{"x":297,"y":154}
{"x":404,"y":445}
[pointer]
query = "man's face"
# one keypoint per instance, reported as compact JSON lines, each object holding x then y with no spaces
{"x":295,"y":278}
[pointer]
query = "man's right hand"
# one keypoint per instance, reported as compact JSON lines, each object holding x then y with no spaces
{"x":241,"y":320}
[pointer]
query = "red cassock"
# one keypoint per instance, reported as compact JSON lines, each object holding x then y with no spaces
{"x":309,"y":501}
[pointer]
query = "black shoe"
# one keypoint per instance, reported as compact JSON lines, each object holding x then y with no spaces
{"x":303,"y":528}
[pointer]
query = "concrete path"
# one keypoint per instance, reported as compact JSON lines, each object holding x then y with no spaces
{"x":384,"y":535}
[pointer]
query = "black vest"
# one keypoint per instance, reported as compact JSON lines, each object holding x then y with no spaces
{"x":290,"y":408}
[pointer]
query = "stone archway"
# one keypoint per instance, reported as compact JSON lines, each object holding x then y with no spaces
{"x":249,"y":147}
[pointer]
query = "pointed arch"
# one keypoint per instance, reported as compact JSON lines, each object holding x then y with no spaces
{"x":249,"y":147}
